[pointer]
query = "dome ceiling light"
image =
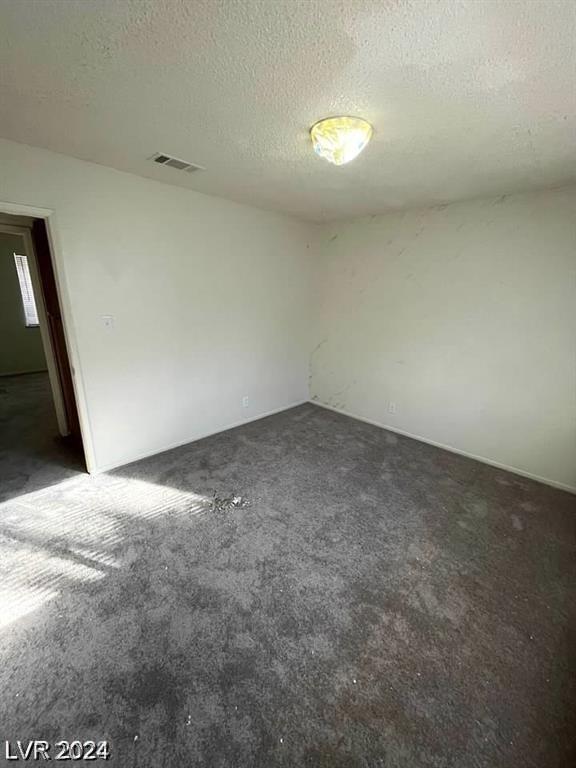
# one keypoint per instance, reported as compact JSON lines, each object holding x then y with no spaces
{"x":340,"y":139}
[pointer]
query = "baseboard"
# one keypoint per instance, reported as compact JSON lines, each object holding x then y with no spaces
{"x":451,"y":449}
{"x":99,"y":469}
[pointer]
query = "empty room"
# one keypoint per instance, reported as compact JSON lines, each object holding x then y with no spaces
{"x":288,"y":383}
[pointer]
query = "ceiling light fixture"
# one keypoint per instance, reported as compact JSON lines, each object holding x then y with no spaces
{"x":340,"y":139}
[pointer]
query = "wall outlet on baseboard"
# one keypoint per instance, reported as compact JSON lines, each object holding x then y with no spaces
{"x":245,"y":401}
{"x":392,"y":407}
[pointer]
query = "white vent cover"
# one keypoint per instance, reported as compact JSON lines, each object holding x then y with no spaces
{"x":173,"y":162}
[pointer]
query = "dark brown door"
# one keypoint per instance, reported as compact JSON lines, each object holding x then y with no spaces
{"x":55,"y":326}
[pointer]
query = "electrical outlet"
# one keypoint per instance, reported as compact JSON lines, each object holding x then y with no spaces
{"x":392,"y":407}
{"x":245,"y":401}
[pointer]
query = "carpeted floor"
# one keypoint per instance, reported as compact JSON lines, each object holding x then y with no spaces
{"x":306,"y":590}
{"x":32,"y":453}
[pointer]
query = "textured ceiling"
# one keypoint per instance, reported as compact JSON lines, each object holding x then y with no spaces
{"x":467,"y":98}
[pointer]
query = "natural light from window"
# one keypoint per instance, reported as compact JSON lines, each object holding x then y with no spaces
{"x":28,"y":302}
{"x":77,"y":532}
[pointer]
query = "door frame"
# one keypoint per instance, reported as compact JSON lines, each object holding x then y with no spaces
{"x":69,"y":349}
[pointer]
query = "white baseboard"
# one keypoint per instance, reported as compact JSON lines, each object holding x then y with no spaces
{"x":482,"y":459}
{"x":97,"y":470}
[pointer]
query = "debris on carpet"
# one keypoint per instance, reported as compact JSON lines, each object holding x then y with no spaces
{"x":227,"y":503}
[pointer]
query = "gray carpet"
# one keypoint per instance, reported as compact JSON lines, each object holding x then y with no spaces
{"x":32,"y":454}
{"x":303,"y":590}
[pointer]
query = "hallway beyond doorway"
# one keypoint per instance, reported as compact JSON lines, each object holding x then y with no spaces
{"x":32,"y":453}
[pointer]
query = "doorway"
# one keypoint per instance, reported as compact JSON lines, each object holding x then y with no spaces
{"x":40,"y":438}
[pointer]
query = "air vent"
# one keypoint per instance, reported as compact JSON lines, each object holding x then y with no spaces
{"x":174,"y":162}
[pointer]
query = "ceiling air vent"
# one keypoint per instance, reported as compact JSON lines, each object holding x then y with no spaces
{"x":174,"y":162}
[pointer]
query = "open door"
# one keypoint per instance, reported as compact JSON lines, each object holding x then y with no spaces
{"x":55,"y":329}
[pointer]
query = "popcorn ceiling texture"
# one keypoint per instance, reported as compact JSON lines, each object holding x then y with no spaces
{"x":467,"y":98}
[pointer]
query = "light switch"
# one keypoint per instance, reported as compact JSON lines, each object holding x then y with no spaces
{"x":108,"y":321}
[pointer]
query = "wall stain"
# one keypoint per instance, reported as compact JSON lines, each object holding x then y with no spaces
{"x":317,"y":347}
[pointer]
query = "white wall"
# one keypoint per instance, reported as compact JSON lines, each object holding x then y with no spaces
{"x":464,"y":316}
{"x":210,"y":302}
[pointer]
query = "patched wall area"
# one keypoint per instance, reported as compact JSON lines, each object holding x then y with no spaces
{"x":457,"y":324}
